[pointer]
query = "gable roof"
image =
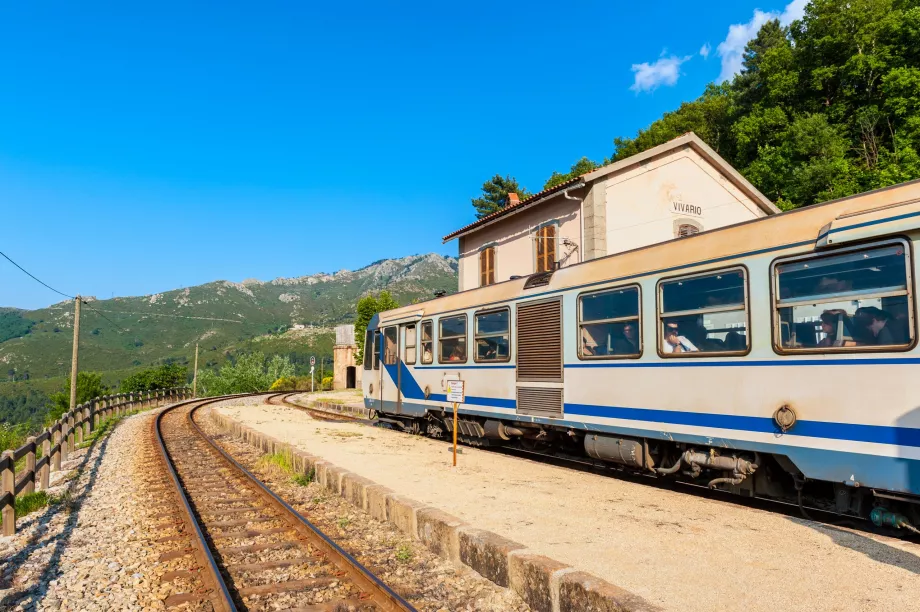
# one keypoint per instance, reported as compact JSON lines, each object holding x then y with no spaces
{"x":689,"y":139}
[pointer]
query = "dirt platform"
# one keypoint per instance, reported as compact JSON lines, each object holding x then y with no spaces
{"x":675,"y":550}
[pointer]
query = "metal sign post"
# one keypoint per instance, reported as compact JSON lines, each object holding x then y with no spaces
{"x":312,"y":367}
{"x":455,"y":397}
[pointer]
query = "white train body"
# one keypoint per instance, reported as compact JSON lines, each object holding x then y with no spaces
{"x":838,"y":404}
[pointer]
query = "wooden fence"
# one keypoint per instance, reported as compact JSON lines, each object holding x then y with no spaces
{"x":56,"y":443}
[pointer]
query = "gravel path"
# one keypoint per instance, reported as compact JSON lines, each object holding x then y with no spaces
{"x":677,"y":550}
{"x":95,"y":553}
{"x":428,"y":582}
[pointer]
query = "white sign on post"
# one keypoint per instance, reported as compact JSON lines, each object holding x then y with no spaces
{"x":455,"y":391}
{"x":312,"y":361}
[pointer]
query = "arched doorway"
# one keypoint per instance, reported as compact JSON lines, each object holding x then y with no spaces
{"x":350,"y":377}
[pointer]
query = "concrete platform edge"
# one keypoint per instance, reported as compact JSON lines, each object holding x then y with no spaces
{"x":546,"y":585}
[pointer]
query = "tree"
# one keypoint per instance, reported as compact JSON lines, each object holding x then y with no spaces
{"x":367,"y":307}
{"x":251,"y":373}
{"x":824,"y":108}
{"x":495,"y":194}
{"x":166,"y":376}
{"x":580,"y":167}
{"x":89,"y":386}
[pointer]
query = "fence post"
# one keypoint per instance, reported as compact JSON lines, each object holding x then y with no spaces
{"x":81,"y":428}
{"x":45,"y":477}
{"x":8,"y":485}
{"x":30,"y":466}
{"x":58,"y":440}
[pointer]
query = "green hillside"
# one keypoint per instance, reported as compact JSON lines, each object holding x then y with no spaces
{"x":35,"y":346}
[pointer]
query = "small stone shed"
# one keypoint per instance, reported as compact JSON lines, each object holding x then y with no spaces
{"x":345,"y":372}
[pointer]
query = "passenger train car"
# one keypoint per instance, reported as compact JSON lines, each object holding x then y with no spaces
{"x":775,"y":358}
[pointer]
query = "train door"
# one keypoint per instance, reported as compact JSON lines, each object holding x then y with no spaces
{"x":389,"y":373}
{"x":539,"y":358}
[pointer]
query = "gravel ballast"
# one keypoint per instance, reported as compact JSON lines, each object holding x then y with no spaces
{"x":676,"y":550}
{"x":95,"y":551}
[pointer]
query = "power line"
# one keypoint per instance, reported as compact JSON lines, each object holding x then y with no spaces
{"x":36,"y":278}
{"x":117,"y":329}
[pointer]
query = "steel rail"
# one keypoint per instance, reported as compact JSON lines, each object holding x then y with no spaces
{"x":222,"y":600}
{"x":380,"y":593}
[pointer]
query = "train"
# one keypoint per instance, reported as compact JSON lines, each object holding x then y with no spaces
{"x":775,"y":358}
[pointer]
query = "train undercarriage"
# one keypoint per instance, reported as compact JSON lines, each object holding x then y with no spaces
{"x":748,"y":474}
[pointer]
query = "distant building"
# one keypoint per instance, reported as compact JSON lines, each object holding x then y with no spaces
{"x":298,"y":326}
{"x":676,"y":189}
{"x":345,"y":373}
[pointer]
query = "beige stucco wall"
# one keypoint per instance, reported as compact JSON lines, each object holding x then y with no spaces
{"x":514,"y":247}
{"x":643,"y":203}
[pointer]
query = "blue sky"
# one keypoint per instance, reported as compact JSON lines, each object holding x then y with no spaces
{"x":146,"y":148}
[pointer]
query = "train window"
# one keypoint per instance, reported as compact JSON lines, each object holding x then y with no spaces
{"x":427,"y":348}
{"x":452,"y":339}
{"x":856,"y":300}
{"x":389,"y":346}
{"x":368,"y":349}
{"x":608,"y":324}
{"x":704,"y":314}
{"x":409,"y":356}
{"x":377,"y":344}
{"x":493,"y":338}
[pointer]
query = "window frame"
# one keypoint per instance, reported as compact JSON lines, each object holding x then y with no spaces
{"x":368,"y":356}
{"x":466,"y":336}
{"x":637,"y":318}
{"x":420,"y":341}
{"x":490,"y":249}
{"x":536,"y":238}
{"x":477,"y":335}
{"x":776,"y":320}
{"x":378,"y":334}
{"x":407,"y":346}
{"x":660,"y":316}
{"x":384,"y":353}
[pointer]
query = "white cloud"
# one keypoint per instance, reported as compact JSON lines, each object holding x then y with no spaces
{"x":705,"y":50}
{"x":665,"y":71}
{"x":731,"y":50}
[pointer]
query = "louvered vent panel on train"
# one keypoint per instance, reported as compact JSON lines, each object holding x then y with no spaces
{"x":539,"y":401}
{"x":539,"y":341}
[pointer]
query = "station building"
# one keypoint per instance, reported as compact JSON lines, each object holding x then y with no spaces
{"x":346,"y":374}
{"x":676,"y":189}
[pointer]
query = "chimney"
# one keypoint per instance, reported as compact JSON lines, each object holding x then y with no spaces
{"x":513,"y":199}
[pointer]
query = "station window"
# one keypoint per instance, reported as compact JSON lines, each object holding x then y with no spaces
{"x":368,"y":349}
{"x":427,"y":344}
{"x":608,"y":324}
{"x":493,"y":336}
{"x":487,"y":267}
{"x":452,"y":339}
{"x":409,"y":356}
{"x":389,"y":346}
{"x":852,"y":301}
{"x":704,"y":314}
{"x":545,"y":246}
{"x":377,"y":344}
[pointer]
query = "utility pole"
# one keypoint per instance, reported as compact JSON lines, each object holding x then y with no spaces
{"x":76,"y":347}
{"x":195,"y":375}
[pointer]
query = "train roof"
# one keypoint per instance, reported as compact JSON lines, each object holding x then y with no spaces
{"x":810,"y":225}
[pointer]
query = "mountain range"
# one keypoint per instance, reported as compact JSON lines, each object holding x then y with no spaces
{"x":293,"y":316}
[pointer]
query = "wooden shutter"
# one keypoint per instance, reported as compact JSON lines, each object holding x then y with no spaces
{"x":539,"y":341}
{"x":487,"y":267}
{"x":546,"y":248}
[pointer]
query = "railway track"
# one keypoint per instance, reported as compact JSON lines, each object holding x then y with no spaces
{"x":248,"y":549}
{"x":581,"y":464}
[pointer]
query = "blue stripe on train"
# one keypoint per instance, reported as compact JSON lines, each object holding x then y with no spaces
{"x":890,"y":473}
